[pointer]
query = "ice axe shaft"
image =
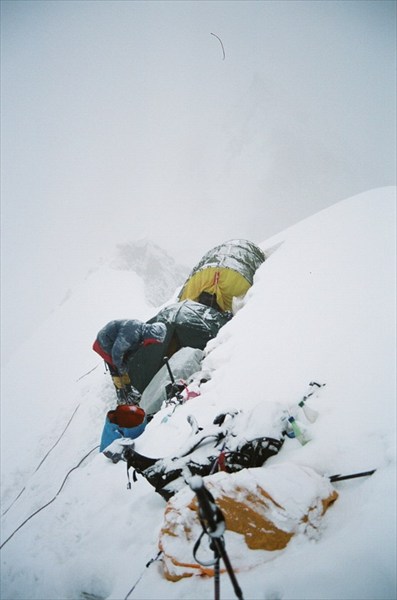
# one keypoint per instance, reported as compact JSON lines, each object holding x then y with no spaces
{"x":352,"y":476}
{"x":176,"y":390}
{"x":165,"y":359}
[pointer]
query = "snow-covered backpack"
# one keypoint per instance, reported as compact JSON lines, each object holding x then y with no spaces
{"x":217,"y":449}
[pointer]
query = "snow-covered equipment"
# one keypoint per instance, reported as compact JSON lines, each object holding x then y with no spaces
{"x":292,"y":427}
{"x":173,"y":386}
{"x":263,"y":510}
{"x":223,"y":446}
{"x":189,"y":324}
{"x":126,"y":421}
{"x":225,"y":272}
{"x":310,"y":414}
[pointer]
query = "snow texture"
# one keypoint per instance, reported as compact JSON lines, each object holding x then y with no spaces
{"x":322,"y":308}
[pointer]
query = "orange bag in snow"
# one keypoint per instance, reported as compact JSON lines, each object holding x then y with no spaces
{"x":263,"y":509}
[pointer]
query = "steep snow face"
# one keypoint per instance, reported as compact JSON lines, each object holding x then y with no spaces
{"x":322,"y":308}
{"x":323,"y":303}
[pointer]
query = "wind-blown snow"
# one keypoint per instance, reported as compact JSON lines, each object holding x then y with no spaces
{"x":322,"y":308}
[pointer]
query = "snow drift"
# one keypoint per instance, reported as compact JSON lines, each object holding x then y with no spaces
{"x":322,"y":307}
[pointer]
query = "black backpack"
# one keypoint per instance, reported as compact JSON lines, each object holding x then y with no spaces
{"x":207,"y":453}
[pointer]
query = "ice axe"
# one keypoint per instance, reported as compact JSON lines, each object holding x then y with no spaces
{"x":175,"y":387}
{"x":351,"y":476}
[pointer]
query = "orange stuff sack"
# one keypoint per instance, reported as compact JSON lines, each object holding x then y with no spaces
{"x":263,"y":509}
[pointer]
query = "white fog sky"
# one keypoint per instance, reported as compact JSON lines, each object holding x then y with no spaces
{"x":121,"y":120}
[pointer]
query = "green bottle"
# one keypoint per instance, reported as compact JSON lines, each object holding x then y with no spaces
{"x":300,"y":436}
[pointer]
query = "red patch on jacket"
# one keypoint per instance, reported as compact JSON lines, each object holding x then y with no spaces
{"x":150,"y":341}
{"x":99,"y":350}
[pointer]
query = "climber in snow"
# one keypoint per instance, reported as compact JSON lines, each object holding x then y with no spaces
{"x":117,"y":343}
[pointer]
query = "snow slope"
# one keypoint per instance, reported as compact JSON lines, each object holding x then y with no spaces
{"x":322,"y":308}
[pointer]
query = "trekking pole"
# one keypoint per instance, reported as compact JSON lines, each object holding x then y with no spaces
{"x":213,"y":523}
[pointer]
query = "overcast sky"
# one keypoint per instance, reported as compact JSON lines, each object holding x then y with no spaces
{"x":122,"y":120}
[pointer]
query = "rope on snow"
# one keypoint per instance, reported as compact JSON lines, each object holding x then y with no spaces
{"x":52,"y":447}
{"x":51,"y":501}
{"x":157,"y":557}
{"x":43,"y":459}
{"x":85,"y":374}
